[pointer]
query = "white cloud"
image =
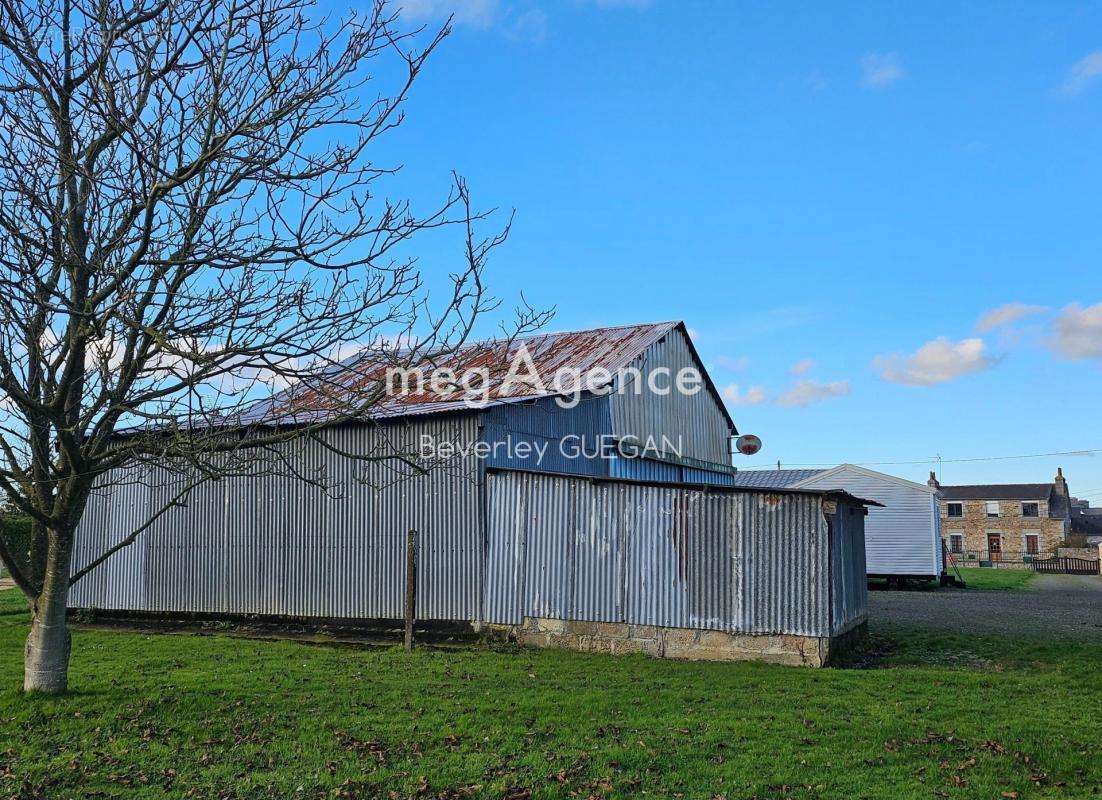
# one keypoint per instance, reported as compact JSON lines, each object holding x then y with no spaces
{"x":935,"y":362}
{"x":1083,"y":73}
{"x":476,"y":13}
{"x":737,"y":364}
{"x":806,"y":392}
{"x":1005,"y":315}
{"x":879,"y":70}
{"x":345,"y":351}
{"x":802,"y":366}
{"x":1079,"y":332}
{"x":752,"y":397}
{"x":527,"y":26}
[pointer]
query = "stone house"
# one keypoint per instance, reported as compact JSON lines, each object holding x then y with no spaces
{"x":1008,"y":522}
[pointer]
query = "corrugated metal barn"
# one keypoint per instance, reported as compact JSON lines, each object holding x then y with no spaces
{"x":902,"y":539}
{"x":641,"y":542}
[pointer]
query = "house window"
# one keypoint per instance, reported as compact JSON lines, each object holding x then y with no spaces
{"x":1032,"y":541}
{"x":992,"y":507}
{"x":956,"y":542}
{"x":1031,"y":510}
{"x":954,"y":509}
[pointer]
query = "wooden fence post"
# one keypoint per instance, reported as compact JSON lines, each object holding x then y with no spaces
{"x":411,"y":585}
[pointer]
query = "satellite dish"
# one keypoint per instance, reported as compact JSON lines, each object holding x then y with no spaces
{"x":748,"y":444}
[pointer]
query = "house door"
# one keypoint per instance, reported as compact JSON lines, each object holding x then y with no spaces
{"x":995,"y":546}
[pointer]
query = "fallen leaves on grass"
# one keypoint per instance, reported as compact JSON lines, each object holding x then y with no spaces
{"x":370,"y":749}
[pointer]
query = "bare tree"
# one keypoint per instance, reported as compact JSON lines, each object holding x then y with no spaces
{"x":189,"y":221}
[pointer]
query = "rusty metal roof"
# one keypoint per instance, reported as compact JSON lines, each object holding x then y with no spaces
{"x":609,"y":349}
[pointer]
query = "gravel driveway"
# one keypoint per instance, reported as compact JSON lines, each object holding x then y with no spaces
{"x":1061,"y":605}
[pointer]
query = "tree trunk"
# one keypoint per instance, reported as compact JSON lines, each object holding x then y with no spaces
{"x":46,"y":656}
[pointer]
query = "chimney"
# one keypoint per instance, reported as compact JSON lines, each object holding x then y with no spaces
{"x":1061,"y":483}
{"x":932,"y":483}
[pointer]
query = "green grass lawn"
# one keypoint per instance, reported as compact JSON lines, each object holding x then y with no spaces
{"x":1004,"y":579}
{"x":214,"y":716}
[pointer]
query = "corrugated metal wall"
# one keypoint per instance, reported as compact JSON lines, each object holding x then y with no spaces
{"x":649,"y":469}
{"x":108,"y":517}
{"x":713,"y":478}
{"x":644,"y":469}
{"x":544,"y":423}
{"x":753,"y":562}
{"x":697,"y":420}
{"x":849,"y":594}
{"x":554,"y":546}
{"x":274,"y":544}
{"x":570,"y":440}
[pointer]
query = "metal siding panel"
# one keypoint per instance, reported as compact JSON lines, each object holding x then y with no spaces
{"x":694,"y":475}
{"x":547,"y":592}
{"x":649,"y":469}
{"x":649,"y":555}
{"x":563,"y":432}
{"x":644,"y":469}
{"x":112,"y":513}
{"x":785,"y":573}
{"x":850,"y":585}
{"x":711,"y":562}
{"x":652,"y":593}
{"x":506,"y":521}
{"x":274,"y":544}
{"x":697,"y":421}
{"x":555,"y":546}
{"x":596,"y":528}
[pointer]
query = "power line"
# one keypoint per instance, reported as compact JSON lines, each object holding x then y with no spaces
{"x":938,"y":460}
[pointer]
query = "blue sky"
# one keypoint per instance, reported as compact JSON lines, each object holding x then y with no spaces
{"x":831,"y":198}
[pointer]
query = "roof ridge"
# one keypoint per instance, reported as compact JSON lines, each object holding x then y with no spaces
{"x":471,"y":344}
{"x":535,"y":334}
{"x":959,"y":485}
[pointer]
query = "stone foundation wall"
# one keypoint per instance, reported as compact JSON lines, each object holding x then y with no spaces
{"x":996,"y":565}
{"x":686,"y":643}
{"x":1089,"y":553}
